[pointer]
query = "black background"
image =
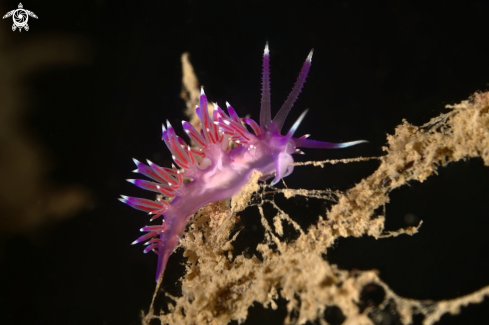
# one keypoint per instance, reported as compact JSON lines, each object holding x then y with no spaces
{"x":374,"y":64}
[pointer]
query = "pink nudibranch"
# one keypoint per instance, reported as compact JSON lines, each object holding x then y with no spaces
{"x":218,"y":170}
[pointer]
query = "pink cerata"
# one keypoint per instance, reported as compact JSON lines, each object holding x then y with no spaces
{"x":224,"y":157}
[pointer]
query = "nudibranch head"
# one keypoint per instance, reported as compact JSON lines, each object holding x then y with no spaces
{"x":221,"y":162}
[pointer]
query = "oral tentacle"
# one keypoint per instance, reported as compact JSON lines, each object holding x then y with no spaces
{"x":307,"y":143}
{"x":296,"y":124}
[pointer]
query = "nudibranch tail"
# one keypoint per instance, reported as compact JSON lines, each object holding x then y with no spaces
{"x":222,"y":161}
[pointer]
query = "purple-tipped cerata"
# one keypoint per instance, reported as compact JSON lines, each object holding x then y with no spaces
{"x":217,"y":170}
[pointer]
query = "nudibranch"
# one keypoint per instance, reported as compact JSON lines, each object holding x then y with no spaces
{"x":222,"y":161}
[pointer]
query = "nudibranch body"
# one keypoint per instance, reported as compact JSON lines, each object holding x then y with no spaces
{"x":224,"y":157}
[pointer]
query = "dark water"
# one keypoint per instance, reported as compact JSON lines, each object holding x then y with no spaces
{"x":98,"y":93}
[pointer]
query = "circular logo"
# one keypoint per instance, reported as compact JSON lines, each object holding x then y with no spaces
{"x":20,"y":18}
